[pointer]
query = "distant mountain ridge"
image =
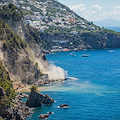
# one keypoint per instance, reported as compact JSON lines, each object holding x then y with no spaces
{"x":115,"y":28}
{"x":107,"y":22}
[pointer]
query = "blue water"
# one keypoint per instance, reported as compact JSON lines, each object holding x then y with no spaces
{"x":93,"y":91}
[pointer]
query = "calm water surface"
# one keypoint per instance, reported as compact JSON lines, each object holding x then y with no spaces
{"x":93,"y":91}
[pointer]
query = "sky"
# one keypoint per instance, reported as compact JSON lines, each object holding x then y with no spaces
{"x":95,"y":10}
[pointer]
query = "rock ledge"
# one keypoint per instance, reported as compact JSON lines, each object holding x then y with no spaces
{"x":36,"y":98}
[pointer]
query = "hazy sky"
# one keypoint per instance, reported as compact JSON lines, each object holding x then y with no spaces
{"x":95,"y":10}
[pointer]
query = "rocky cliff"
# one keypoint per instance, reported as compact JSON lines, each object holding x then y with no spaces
{"x":36,"y":99}
{"x":86,"y":39}
{"x":21,"y":62}
{"x":17,"y":110}
{"x":21,"y":51}
{"x":3,"y":111}
{"x":11,"y":106}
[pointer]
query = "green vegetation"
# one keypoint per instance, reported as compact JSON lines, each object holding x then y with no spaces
{"x":66,"y":25}
{"x":1,"y":119}
{"x":6,"y":84}
{"x":26,"y":12}
{"x":36,"y":65}
{"x":52,"y":10}
{"x":9,"y":38}
{"x":33,"y":88}
{"x":11,"y":12}
{"x":95,"y":38}
{"x":33,"y":36}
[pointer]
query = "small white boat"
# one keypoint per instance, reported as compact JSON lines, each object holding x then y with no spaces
{"x":85,"y":55}
{"x":110,"y":51}
{"x":72,"y":54}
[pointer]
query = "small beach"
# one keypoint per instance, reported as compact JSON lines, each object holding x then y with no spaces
{"x":27,"y":89}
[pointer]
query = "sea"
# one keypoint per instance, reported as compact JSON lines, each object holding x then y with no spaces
{"x":92,"y":90}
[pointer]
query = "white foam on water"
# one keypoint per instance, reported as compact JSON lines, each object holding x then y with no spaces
{"x":56,"y":73}
{"x":51,"y":113}
{"x":73,"y":78}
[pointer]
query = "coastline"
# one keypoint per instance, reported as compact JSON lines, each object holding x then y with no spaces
{"x":40,"y":88}
{"x":27,"y":89}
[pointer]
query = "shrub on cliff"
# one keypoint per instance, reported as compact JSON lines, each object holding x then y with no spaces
{"x":10,"y":39}
{"x":33,"y":88}
{"x":11,"y":12}
{"x":6,"y":84}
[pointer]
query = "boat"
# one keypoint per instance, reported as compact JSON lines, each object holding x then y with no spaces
{"x":72,"y":54}
{"x":110,"y":51}
{"x":85,"y":55}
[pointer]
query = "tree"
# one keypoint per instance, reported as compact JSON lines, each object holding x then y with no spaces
{"x":33,"y":88}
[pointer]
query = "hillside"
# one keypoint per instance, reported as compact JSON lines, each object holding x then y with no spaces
{"x":21,"y":51}
{"x":6,"y":91}
{"x":22,"y":62}
{"x":11,"y":106}
{"x":61,"y":28}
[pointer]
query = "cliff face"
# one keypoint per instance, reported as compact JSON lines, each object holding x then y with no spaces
{"x":20,"y":67}
{"x":22,"y":51}
{"x":3,"y":111}
{"x":24,"y":65}
{"x":17,"y":112}
{"x":87,"y":40}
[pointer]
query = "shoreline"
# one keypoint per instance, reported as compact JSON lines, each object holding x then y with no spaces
{"x":27,"y":89}
{"x":40,"y":88}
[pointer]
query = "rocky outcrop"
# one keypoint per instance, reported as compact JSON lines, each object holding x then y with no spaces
{"x":25,"y":65}
{"x":64,"y":106}
{"x":2,"y":93}
{"x":3,"y":111}
{"x":50,"y":112}
{"x":24,"y":95}
{"x":47,"y":100}
{"x":43,"y":116}
{"x":17,"y":112}
{"x":20,"y":111}
{"x":35,"y":99}
{"x":1,"y":118}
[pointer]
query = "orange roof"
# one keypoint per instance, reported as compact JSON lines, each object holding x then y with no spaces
{"x":66,"y":49}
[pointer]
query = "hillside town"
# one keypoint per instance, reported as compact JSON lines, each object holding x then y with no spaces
{"x":51,"y":17}
{"x":45,"y":14}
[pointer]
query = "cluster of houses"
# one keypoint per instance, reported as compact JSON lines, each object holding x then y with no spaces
{"x":44,"y":14}
{"x":43,"y":18}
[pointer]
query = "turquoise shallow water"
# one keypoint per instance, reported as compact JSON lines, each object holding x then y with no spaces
{"x":93,"y":90}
